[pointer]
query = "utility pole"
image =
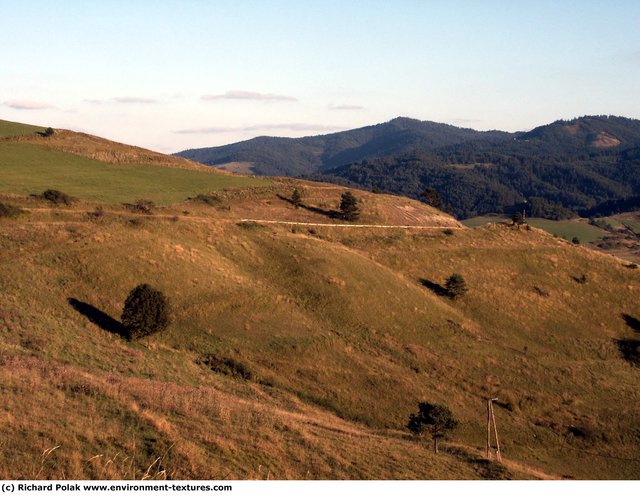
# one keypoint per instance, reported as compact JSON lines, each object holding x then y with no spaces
{"x":491,"y":419}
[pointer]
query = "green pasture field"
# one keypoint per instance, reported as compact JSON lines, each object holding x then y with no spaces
{"x":8,"y":128}
{"x":27,"y":168}
{"x":567,"y":229}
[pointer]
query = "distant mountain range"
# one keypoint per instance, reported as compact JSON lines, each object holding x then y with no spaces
{"x":558,"y":169}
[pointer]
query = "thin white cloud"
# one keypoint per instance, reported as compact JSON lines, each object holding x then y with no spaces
{"x":207,"y":130}
{"x":133,"y":99}
{"x":345,"y":106}
{"x":122,"y":99}
{"x":27,"y":105}
{"x":291,"y":127}
{"x":250,"y":95}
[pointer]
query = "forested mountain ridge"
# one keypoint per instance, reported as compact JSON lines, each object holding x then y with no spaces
{"x":559,"y":168}
{"x":299,"y":156}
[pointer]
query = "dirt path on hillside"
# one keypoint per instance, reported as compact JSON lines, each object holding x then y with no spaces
{"x":191,"y":218}
{"x":382,"y":226}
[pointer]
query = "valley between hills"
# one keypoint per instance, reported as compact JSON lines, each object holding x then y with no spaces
{"x":298,"y":346}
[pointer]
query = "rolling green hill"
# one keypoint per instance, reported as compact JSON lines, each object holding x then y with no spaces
{"x":298,"y":348}
{"x":94,"y":169}
{"x":9,"y":129}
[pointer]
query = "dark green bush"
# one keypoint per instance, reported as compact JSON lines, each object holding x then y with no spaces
{"x":57,"y":197}
{"x":141,"y":206}
{"x":226,"y":366}
{"x":9,"y":211}
{"x":208,"y":199}
{"x":146,"y":311}
{"x":456,"y":286}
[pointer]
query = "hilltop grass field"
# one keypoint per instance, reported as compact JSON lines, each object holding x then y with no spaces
{"x":8,"y":129}
{"x":26,"y":168}
{"x":298,"y":351}
{"x":567,"y":229}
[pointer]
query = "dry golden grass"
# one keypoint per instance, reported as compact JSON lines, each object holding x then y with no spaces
{"x":339,"y":331}
{"x":103,"y":150}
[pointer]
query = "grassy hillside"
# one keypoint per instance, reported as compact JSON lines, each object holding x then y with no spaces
{"x":95,"y":169}
{"x":298,"y":347}
{"x":567,"y":229}
{"x":8,"y":128}
{"x":330,"y":337}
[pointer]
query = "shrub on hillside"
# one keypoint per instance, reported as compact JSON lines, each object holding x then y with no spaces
{"x":226,"y":366}
{"x":436,"y":420}
{"x":9,"y":211}
{"x":456,"y":286}
{"x":146,"y":311}
{"x":207,"y":199}
{"x":141,"y":206}
{"x":97,"y":213}
{"x":57,"y":197}
{"x":517,"y":218}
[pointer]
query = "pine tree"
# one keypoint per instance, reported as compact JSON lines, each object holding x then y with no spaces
{"x":296,"y":198}
{"x":349,"y":206}
{"x":456,"y":286}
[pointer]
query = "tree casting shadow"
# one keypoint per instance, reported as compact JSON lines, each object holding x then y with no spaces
{"x":332,"y":214}
{"x":98,"y":317}
{"x":435,"y":287}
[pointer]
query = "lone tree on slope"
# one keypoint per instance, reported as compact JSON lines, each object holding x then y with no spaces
{"x":456,"y":286}
{"x":433,"y":419}
{"x":145,"y":312}
{"x":296,"y":198}
{"x":349,"y":206}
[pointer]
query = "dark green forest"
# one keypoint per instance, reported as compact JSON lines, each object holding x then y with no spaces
{"x":554,"y":171}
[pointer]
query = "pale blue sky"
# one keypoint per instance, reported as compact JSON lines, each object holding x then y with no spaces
{"x":170,"y":75}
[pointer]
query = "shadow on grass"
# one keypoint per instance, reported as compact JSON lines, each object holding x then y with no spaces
{"x":631,"y":322}
{"x":435,"y":287}
{"x":332,"y":214}
{"x":487,"y":469}
{"x":98,"y":317}
{"x":630,"y":350}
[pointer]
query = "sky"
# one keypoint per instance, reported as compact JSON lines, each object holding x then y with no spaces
{"x":171,"y":75}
